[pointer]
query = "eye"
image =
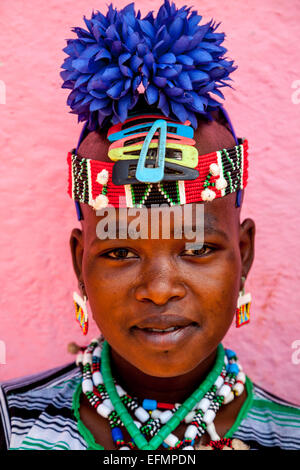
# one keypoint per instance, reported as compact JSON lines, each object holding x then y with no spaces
{"x":205,"y":250}
{"x":120,"y":254}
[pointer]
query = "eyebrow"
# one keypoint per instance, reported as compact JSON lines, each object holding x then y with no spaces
{"x":208,"y":229}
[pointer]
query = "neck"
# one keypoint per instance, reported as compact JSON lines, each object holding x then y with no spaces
{"x":170,"y":389}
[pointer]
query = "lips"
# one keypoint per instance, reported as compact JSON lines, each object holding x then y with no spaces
{"x":164,"y":331}
{"x":163,"y":322}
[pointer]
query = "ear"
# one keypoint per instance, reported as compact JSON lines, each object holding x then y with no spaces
{"x":76,"y":245}
{"x":247,"y":238}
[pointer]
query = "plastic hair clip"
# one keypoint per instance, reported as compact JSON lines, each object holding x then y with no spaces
{"x":172,"y":128}
{"x":181,"y":154}
{"x":138,"y":120}
{"x":138,"y":139}
{"x":124,"y":172}
{"x":155,"y":174}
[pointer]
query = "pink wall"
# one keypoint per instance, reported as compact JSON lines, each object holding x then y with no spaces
{"x":36,"y":131}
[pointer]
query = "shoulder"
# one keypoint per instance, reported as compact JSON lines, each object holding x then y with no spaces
{"x":269,"y":421}
{"x":36,"y":410}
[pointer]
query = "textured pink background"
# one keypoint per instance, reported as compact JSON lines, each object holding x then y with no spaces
{"x":36,"y":131}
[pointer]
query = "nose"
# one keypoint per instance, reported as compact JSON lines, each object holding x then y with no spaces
{"x":160,"y":282}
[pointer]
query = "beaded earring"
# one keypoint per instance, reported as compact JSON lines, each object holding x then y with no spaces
{"x":81,"y":311}
{"x":243,"y":307}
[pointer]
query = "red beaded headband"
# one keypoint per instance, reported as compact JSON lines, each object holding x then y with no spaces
{"x":220,"y":173}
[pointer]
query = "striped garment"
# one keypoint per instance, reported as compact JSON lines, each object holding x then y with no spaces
{"x":41,"y":412}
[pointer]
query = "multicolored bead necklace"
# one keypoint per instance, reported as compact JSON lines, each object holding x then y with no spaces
{"x":154,"y":419}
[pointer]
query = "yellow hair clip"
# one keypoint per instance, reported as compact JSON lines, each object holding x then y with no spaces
{"x":184,"y":155}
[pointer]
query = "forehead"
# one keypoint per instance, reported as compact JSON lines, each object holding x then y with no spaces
{"x":219,"y":215}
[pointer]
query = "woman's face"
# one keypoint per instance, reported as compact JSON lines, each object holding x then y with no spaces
{"x":136,"y":285}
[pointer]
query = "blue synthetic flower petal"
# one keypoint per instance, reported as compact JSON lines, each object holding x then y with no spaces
{"x":82,"y":79}
{"x":97,"y":104}
{"x":179,"y":111}
{"x":115,"y":91}
{"x":181,"y":45}
{"x":198,"y":76}
{"x":185,"y":59}
{"x":103,"y":54}
{"x":168,"y":58}
{"x":200,"y":56}
{"x":184,"y":81}
{"x":160,"y":81}
{"x":151,"y":93}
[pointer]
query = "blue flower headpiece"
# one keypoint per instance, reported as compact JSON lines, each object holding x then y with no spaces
{"x":176,"y":61}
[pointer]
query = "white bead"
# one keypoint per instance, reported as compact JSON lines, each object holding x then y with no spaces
{"x":108,"y":404}
{"x":79,"y":359}
{"x":141,"y":414}
{"x":214,"y":169}
{"x":221,"y":183}
{"x":188,"y":448}
{"x":209,"y":416}
{"x":191,"y":432}
{"x":100,"y":202}
{"x":97,"y":351}
{"x":189,"y":417}
{"x":204,"y":404}
{"x":87,"y":358}
{"x":241,"y":376}
{"x":124,"y":448}
{"x":103,"y":410}
{"x":224,"y":390}
{"x":165,"y":416}
{"x":219,"y":382}
{"x":210,"y":428}
{"x":238,"y":388}
{"x":171,"y":440}
{"x":228,"y":398}
{"x":120,"y":390}
{"x":208,"y":195}
{"x":102,"y":177}
{"x":87,"y":385}
{"x":155,"y":414}
{"x":137,"y":423}
{"x":97,"y":378}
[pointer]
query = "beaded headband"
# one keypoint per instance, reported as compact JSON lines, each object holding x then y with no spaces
{"x":183,"y":176}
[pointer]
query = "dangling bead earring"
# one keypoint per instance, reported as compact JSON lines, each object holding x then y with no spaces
{"x":243,"y":307}
{"x":81,"y":310}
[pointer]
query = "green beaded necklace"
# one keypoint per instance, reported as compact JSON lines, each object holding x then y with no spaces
{"x":178,"y":416}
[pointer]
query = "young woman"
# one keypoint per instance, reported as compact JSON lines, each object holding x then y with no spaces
{"x":158,"y":376}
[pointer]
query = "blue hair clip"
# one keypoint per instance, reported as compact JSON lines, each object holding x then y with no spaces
{"x":156,"y":174}
{"x":172,"y":128}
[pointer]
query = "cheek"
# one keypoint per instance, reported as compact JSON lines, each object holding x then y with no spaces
{"x":218,"y":287}
{"x":107,"y":291}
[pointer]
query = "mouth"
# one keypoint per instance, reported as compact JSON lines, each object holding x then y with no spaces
{"x":162,"y":330}
{"x":165,"y":336}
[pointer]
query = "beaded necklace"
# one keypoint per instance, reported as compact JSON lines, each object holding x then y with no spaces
{"x":158,"y":420}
